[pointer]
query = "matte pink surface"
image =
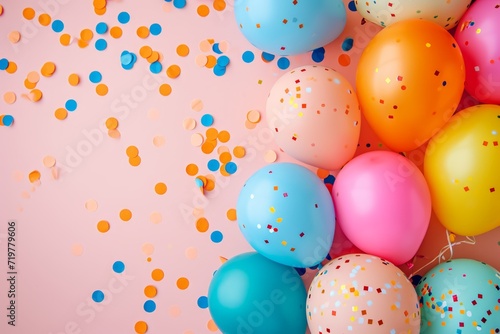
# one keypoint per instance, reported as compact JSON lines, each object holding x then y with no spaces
{"x":61,"y":257}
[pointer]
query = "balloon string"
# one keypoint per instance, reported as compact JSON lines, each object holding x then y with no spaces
{"x":449,"y":247}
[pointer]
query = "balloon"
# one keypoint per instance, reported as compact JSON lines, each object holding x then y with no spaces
{"x":314,"y":113}
{"x":285,"y":27}
{"x":386,"y":12}
{"x":286,"y":213}
{"x":383,"y":205}
{"x":409,"y":80}
{"x":359,"y":293}
{"x":460,"y":296}
{"x":251,"y":294}
{"x":461,"y":166}
{"x":477,"y":37}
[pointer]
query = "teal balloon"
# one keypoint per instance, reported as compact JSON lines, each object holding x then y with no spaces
{"x":250,"y":294}
{"x":286,"y":27}
{"x":459,"y":297}
{"x":286,"y":213}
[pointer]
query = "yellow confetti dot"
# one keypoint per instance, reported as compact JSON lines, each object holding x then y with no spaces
{"x":14,"y":36}
{"x":141,"y":327}
{"x":173,"y":71}
{"x":219,"y":5}
{"x":11,"y":68}
{"x":35,"y":95}
{"x":202,"y":224}
{"x":132,"y":151}
{"x":182,"y":283}
{"x":192,"y":169}
{"x":103,"y":226}
{"x":224,"y":136}
{"x":44,"y":19}
{"x":160,"y":188}
{"x":150,"y":291}
{"x":157,"y":274}
{"x":125,"y":215}
{"x":135,"y":161}
{"x":203,"y":10}
{"x":182,"y":50}
{"x":231,"y":214}
{"x":65,"y":39}
{"x":111,"y":124}
{"x":61,"y":113}
{"x":165,"y":89}
{"x":253,"y":116}
{"x":143,"y":32}
{"x":101,"y":89}
{"x":48,"y":69}
{"x":29,"y":13}
{"x":9,"y":97}
{"x":86,"y":34}
{"x":116,"y":32}
{"x":145,"y":51}
{"x":34,"y":176}
{"x":239,"y":151}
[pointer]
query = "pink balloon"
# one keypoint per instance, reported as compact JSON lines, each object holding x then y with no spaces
{"x":383,"y":205}
{"x":477,"y":37}
{"x":315,"y":116}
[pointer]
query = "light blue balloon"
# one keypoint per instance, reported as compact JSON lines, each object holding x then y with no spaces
{"x":286,"y":213}
{"x":286,"y":27}
{"x":250,"y":294}
{"x":460,"y":296}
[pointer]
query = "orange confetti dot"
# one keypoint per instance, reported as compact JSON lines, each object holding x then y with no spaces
{"x":211,"y":61}
{"x":225,"y":157}
{"x":61,"y":114}
{"x":100,"y":4}
{"x":160,"y":188}
{"x":65,"y":39}
{"x":14,"y":36}
{"x":173,"y":71}
{"x":219,"y":5}
{"x":141,"y":327}
{"x":132,"y":151}
{"x":208,"y":147}
{"x":49,"y":161}
{"x":192,"y":169}
{"x":253,"y":116}
{"x":224,"y":136}
{"x":182,"y":283}
{"x":125,"y":215}
{"x":116,"y":32}
{"x":28,"y":84}
{"x":44,"y":19}
{"x":9,"y":97}
{"x":135,"y":161}
{"x":150,"y":291}
{"x":101,"y":89}
{"x":155,"y":55}
{"x":82,"y":44}
{"x":322,"y":173}
{"x":239,"y":151}
{"x":344,"y":59}
{"x":115,"y":134}
{"x":210,"y":184}
{"x":157,"y":274}
{"x":182,"y":50}
{"x":100,"y":11}
{"x":202,"y":224}
{"x":212,"y":326}
{"x":143,"y":32}
{"x":223,"y":171}
{"x":111,"y":124}
{"x":212,"y":133}
{"x":11,"y":68}
{"x":231,"y":214}
{"x":145,"y":51}
{"x":34,"y":176}
{"x":86,"y":35}
{"x":29,"y":13}
{"x":35,"y":95}
{"x":48,"y":69}
{"x":1,"y":9}
{"x":103,"y":226}
{"x":165,"y":89}
{"x":203,"y":10}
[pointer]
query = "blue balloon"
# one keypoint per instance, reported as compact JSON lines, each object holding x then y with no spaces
{"x":460,"y":296}
{"x":286,"y":27}
{"x":250,"y":294}
{"x":286,"y":213}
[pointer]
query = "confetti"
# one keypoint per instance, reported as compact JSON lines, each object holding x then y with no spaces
{"x":270,"y":156}
{"x":14,"y":36}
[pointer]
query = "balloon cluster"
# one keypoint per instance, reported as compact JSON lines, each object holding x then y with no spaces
{"x":409,"y":83}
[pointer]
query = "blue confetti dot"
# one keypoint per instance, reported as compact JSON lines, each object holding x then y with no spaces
{"x":203,"y":302}
{"x":179,"y":3}
{"x":283,"y":63}
{"x":231,"y":167}
{"x":216,"y":49}
{"x":216,"y":236}
{"x":70,"y":105}
{"x":95,"y":76}
{"x":267,"y":56}
{"x":4,"y":63}
{"x":7,"y":120}
{"x":219,"y":70}
{"x":101,"y":44}
{"x":57,"y":26}
{"x":213,"y":165}
{"x":347,"y":44}
{"x":155,"y":29}
{"x":123,"y":17}
{"x":97,"y":296}
{"x":207,"y":120}
{"x":223,"y":61}
{"x":128,"y":60}
{"x":330,"y":179}
{"x":198,"y":182}
{"x":155,"y":67}
{"x":248,"y":56}
{"x":352,"y":6}
{"x":318,"y":57}
{"x":118,"y":267}
{"x":300,"y":271}
{"x":101,"y":28}
{"x":149,"y":306}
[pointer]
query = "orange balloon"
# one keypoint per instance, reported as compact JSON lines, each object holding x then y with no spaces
{"x":409,"y":81}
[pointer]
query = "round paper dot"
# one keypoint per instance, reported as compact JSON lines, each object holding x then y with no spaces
{"x":191,"y":253}
{"x":192,"y":169}
{"x":150,"y":291}
{"x":207,"y":120}
{"x":77,"y":249}
{"x":197,"y":105}
{"x":223,"y":61}
{"x":50,"y":161}
{"x":283,"y":63}
{"x":182,"y":50}
{"x":231,"y":214}
{"x":118,"y":267}
{"x":61,"y":114}
{"x":141,"y":327}
{"x":149,"y":306}
{"x":155,"y":67}
{"x":97,"y":296}
{"x":219,"y":5}
{"x":202,"y":224}
{"x":174,"y":311}
{"x":253,"y":116}
{"x":344,"y":59}
{"x":14,"y":36}
{"x":101,"y":44}
{"x":173,"y":71}
{"x":157,"y":274}
{"x":111,"y":123}
{"x":125,"y":215}
{"x":86,"y":35}
{"x":239,"y":151}
{"x":270,"y":156}
{"x":318,"y":55}
{"x":158,"y":141}
{"x":212,"y":326}
{"x":197,"y":139}
{"x":91,"y":204}
{"x":202,"y":302}
{"x":4,"y":62}
{"x":143,"y":32}
{"x":103,"y":226}
{"x":116,"y":32}
{"x":213,"y":165}
{"x":48,"y":69}
{"x":12,"y":68}
{"x":135,"y":161}
{"x":182,"y":283}
{"x":70,"y":105}
{"x":189,"y":123}
{"x":101,"y":28}
{"x":203,"y":10}
{"x":180,"y":3}
{"x":57,"y":26}
{"x":267,"y":57}
{"x":347,"y":44}
{"x":201,"y":60}
{"x":9,"y":97}
{"x":65,"y":39}
{"x":44,"y":19}
{"x":34,"y":176}
{"x":165,"y":89}
{"x":74,"y":79}
{"x":35,"y":95}
{"x":28,"y":13}
{"x":160,"y":188}
{"x":101,"y":89}
{"x":231,"y":167}
{"x":123,"y":17}
{"x":132,"y":151}
{"x":145,"y":51}
{"x":155,"y":218}
{"x":155,"y":29}
{"x":95,"y":76}
{"x":248,"y":56}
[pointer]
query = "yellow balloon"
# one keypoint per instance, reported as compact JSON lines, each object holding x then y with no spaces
{"x":462,"y":169}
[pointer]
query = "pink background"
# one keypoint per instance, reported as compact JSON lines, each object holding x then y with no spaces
{"x":55,"y":280}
